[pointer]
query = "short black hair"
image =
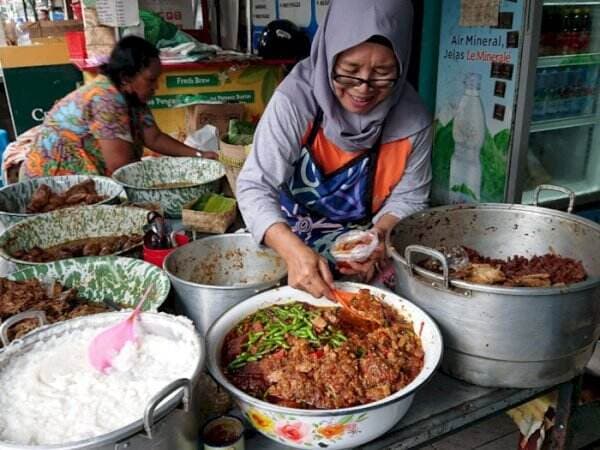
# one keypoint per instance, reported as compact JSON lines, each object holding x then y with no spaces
{"x":130,"y":56}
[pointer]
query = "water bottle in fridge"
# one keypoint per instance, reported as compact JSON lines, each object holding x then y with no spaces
{"x":553,"y":95}
{"x":539,"y":97}
{"x":468,"y":132}
{"x":581,"y":96}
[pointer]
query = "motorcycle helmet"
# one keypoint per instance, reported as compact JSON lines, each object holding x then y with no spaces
{"x":282,"y":39}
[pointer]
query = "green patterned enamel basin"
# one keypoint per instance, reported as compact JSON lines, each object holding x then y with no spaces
{"x":142,"y":181}
{"x":122,"y":280}
{"x":15,"y":197}
{"x":71,"y":224}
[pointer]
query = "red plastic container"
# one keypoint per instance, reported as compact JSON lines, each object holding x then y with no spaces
{"x":157,"y":256}
{"x":76,"y":44}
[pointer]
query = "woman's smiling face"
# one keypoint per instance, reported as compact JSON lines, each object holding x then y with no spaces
{"x":369,"y":61}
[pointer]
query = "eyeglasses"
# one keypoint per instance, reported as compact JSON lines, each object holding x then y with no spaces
{"x":373,"y":83}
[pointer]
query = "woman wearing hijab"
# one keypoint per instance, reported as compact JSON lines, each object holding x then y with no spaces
{"x":344,"y":143}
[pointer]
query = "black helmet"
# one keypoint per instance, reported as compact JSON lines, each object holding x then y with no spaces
{"x":282,"y":39}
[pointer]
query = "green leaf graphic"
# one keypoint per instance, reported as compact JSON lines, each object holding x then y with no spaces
{"x":253,"y":74}
{"x":493,"y":166}
{"x":464,"y":189}
{"x":268,"y":85}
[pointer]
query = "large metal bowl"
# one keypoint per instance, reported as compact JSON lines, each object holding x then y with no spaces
{"x":140,"y":180}
{"x":71,"y":224}
{"x":164,"y":426}
{"x":122,"y":280}
{"x":213,"y":274}
{"x":495,"y":335}
{"x":303,"y":428}
{"x":14,"y":198}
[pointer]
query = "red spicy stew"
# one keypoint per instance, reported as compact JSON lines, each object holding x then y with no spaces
{"x":308,"y":357}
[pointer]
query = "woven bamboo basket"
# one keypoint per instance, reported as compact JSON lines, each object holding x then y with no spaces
{"x":207,"y":222}
{"x":233,"y":157}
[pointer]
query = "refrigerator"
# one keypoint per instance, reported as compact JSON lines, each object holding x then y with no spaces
{"x":516,"y":103}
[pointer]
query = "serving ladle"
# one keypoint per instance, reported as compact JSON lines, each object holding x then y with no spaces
{"x":353,"y":315}
{"x":106,"y":345}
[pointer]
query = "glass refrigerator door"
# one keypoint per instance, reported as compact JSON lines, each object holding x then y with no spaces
{"x":563,"y":145}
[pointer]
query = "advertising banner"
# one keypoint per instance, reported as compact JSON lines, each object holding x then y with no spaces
{"x":476,"y":95}
{"x":32,"y":91}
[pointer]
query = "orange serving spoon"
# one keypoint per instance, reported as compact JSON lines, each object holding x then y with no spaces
{"x":353,"y":315}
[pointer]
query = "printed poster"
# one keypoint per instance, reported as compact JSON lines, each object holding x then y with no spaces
{"x":476,"y":95}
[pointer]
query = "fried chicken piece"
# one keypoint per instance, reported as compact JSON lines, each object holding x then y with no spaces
{"x":74,"y":199}
{"x":532,"y":280}
{"x":55,"y":202}
{"x":90,"y":199}
{"x":484,"y":274}
{"x":39,"y":199}
{"x":92,"y":248}
{"x":85,"y":187}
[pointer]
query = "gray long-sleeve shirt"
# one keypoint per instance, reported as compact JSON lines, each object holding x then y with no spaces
{"x":276,"y":147}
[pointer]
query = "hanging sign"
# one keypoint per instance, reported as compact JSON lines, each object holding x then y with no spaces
{"x":118,"y":13}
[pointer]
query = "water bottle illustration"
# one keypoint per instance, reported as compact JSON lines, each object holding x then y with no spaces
{"x":468,"y":132}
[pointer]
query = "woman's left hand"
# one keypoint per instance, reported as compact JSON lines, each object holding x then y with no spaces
{"x":208,"y":154}
{"x":365,"y":270}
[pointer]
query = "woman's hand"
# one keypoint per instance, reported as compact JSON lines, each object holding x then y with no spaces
{"x":208,"y":154}
{"x":162,"y":143}
{"x":307,"y":270}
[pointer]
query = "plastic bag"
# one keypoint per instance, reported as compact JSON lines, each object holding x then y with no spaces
{"x":156,"y":28}
{"x":355,"y":245}
{"x":205,"y":139}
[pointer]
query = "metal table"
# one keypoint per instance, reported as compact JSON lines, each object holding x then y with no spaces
{"x":444,"y":405}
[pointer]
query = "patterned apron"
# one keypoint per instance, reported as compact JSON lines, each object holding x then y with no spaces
{"x":320,"y":207}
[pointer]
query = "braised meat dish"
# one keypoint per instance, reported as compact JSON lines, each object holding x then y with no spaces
{"x":301,"y":356}
{"x":45,"y":200}
{"x":546,"y":270}
{"x":58,"y":302}
{"x":98,"y":246}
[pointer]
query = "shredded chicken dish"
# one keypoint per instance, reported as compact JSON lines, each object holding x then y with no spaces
{"x":55,"y":300}
{"x":308,"y":357}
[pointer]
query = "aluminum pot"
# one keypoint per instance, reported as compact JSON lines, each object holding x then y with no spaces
{"x":171,"y":419}
{"x":213,"y":274}
{"x":503,"y":336}
{"x":320,"y":428}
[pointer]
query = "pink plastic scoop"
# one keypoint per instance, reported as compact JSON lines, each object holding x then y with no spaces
{"x":106,"y":345}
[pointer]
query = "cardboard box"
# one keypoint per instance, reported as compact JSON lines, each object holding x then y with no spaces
{"x":49,"y":28}
{"x":197,"y":116}
{"x":99,"y":39}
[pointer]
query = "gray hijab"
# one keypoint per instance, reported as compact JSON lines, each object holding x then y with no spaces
{"x":309,"y":85}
